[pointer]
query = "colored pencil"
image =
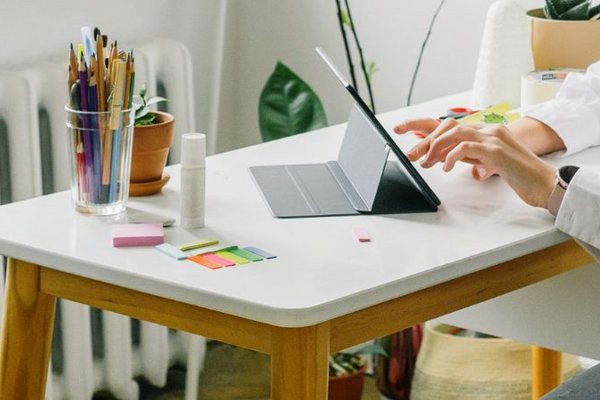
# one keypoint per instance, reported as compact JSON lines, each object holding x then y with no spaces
{"x":101,"y":68}
{"x":115,"y":122}
{"x":94,"y":128}
{"x":99,"y":84}
{"x":87,"y":143}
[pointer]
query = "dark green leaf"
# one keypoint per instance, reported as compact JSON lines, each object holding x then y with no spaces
{"x":288,"y":106}
{"x":147,"y":119}
{"x":577,"y":13}
{"x":566,"y":9}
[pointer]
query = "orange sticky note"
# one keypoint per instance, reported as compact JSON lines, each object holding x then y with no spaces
{"x":205,"y":262}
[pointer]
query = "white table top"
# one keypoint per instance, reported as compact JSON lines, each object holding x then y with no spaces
{"x":321,"y":271}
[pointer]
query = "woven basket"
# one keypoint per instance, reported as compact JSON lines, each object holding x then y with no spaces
{"x":454,"y":367}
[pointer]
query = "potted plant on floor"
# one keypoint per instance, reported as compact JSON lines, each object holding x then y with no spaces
{"x":347,"y":372}
{"x":152,"y":137}
{"x":564,"y":34}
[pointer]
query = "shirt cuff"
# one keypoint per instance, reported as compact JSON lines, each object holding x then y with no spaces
{"x":578,"y":213}
{"x":577,"y":125}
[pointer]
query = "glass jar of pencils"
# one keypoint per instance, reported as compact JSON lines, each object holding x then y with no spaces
{"x":100,"y":159}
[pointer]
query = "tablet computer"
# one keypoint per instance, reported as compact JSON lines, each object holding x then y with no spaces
{"x":371,"y":175}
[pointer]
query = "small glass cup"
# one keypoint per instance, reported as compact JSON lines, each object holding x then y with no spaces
{"x":100,"y":159}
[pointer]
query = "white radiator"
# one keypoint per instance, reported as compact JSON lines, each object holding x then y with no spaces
{"x":93,"y":349}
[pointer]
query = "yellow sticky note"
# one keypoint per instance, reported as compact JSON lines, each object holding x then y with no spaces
{"x":232,"y":257}
{"x":199,"y":244}
{"x":503,"y":110}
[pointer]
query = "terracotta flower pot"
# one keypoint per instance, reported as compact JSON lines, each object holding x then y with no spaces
{"x":347,"y":387}
{"x":150,"y":149}
{"x":563,"y":44}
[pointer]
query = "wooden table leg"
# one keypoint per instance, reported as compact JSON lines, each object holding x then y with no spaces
{"x":27,"y":324}
{"x":546,"y":371}
{"x":299,"y":363}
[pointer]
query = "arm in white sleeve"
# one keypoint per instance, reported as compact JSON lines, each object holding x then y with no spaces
{"x":575,"y":112}
{"x":579,"y":211}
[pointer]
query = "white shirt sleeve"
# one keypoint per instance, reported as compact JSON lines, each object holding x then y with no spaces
{"x":575,"y":112}
{"x":579,"y":211}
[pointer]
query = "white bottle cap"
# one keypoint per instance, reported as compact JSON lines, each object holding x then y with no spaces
{"x":193,"y":150}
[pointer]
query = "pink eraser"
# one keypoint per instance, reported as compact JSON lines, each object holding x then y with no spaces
{"x":361,"y":235}
{"x":137,"y":235}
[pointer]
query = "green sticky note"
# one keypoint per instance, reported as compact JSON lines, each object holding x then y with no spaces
{"x":232,"y":257}
{"x":246,"y":254}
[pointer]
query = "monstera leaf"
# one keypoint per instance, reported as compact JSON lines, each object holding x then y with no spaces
{"x":288,"y":106}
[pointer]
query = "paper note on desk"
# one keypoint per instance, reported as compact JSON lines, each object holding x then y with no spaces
{"x":499,"y":113}
{"x":137,"y":235}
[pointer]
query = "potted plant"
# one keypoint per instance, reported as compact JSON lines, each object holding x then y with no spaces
{"x":564,"y":34}
{"x":347,"y":372}
{"x":152,"y":137}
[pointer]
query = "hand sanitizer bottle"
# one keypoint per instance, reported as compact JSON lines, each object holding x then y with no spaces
{"x":193,"y":175}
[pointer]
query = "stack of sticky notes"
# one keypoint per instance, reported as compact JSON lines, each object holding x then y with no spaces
{"x":213,"y":256}
{"x":125,"y":235}
{"x":230,"y":256}
{"x":210,"y":255}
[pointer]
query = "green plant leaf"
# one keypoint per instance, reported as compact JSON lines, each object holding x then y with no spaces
{"x":566,"y":9}
{"x":155,"y":99}
{"x":577,"y":13}
{"x":288,"y":106}
{"x":143,"y":93}
{"x":346,"y":18}
{"x":371,"y":70}
{"x":146,"y":119}
{"x":142,"y":112}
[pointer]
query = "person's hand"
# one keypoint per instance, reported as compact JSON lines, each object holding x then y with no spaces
{"x":432,"y":129}
{"x":422,"y":126}
{"x":490,"y":149}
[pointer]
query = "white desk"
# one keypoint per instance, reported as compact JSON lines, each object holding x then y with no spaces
{"x":324,"y":292}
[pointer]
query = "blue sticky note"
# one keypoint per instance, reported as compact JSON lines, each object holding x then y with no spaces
{"x":260,"y":252}
{"x":172,"y":251}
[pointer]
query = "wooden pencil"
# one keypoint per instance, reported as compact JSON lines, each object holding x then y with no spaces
{"x":100,"y":72}
{"x":73,"y":67}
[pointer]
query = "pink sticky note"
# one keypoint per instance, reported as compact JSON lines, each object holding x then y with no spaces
{"x":219,"y":260}
{"x":137,"y":235}
{"x":361,"y":234}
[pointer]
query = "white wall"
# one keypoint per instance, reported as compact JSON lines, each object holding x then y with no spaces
{"x":260,"y":32}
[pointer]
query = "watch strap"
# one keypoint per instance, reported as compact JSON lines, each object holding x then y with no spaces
{"x":563,"y":178}
{"x":556,"y":197}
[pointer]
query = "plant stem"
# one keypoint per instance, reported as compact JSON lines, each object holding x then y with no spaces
{"x":415,"y":73}
{"x":362,"y":59}
{"x":346,"y":47}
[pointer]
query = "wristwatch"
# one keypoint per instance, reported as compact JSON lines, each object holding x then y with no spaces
{"x":563,"y":178}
